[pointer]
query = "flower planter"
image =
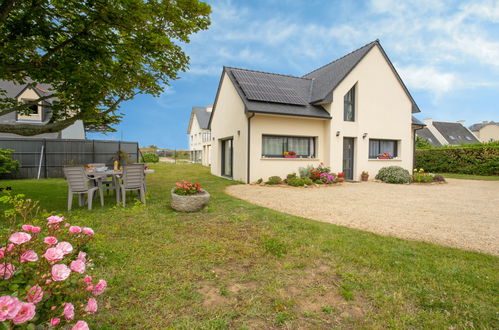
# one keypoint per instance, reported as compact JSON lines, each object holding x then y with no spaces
{"x":384,"y":157}
{"x":290,"y":156}
{"x":364,"y":177}
{"x":189,"y":203}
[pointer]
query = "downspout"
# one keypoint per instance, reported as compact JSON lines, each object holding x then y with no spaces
{"x":249,"y":139}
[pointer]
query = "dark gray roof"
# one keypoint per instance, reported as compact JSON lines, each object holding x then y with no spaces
{"x":477,"y":127}
{"x":203,"y":116}
{"x":13,"y":89}
{"x":416,"y":121}
{"x":427,"y":135}
{"x":455,"y":133}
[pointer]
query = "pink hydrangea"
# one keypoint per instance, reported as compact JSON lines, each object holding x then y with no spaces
{"x":88,"y":231}
{"x":91,"y":306}
{"x":82,"y":256}
{"x":88,"y":279}
{"x":55,"y":321}
{"x":74,"y":229}
{"x":9,"y":307}
{"x":29,"y":256}
{"x":54,"y":254}
{"x":6,"y":270}
{"x":20,"y":238}
{"x":99,"y":288}
{"x":66,"y":247}
{"x":35,"y":294}
{"x":80,"y":325}
{"x":51,"y":240}
{"x":60,"y":272}
{"x":54,"y":219}
{"x":26,"y":313}
{"x":77,"y":266}
{"x":69,"y":311}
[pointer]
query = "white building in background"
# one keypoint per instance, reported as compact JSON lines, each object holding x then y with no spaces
{"x":200,"y":135}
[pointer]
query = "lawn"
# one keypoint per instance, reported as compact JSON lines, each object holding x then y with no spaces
{"x":471,"y":176}
{"x":237,"y":265}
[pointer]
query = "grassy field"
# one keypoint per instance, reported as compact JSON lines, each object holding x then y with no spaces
{"x":471,"y":177}
{"x":237,"y":265}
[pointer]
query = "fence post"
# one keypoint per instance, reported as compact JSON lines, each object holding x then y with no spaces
{"x":93,"y":151}
{"x":45,"y":158}
{"x":138,"y":161}
{"x":119,"y":153}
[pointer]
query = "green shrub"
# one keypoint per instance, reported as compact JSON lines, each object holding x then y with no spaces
{"x":296,"y":182}
{"x":259,"y":181}
{"x":305,"y":171}
{"x":274,"y":180}
{"x":7,"y":164}
{"x":151,"y":158}
{"x":291,"y":176}
{"x":307,"y":181}
{"x":393,"y":174}
{"x":476,"y":159}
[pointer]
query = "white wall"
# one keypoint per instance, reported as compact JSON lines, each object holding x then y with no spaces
{"x":75,"y":131}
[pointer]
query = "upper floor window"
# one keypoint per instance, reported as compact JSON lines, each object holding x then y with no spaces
{"x":33,"y":113}
{"x":349,"y":105}
{"x":383,"y":148}
{"x":277,"y":146}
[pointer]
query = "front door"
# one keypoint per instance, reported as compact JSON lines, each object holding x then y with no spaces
{"x":227,"y":157}
{"x":348,"y":152}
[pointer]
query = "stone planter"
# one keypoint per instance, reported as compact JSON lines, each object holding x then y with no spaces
{"x":189,"y":203}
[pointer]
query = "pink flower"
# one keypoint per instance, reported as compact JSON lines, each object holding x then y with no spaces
{"x":60,"y":272}
{"x":27,"y":227}
{"x":35,"y":230}
{"x":82,"y":256}
{"x":54,"y":219}
{"x":74,"y":229}
{"x":50,"y":240}
{"x":35,"y":294}
{"x":30,"y":256}
{"x":66,"y":247}
{"x":9,"y":307}
{"x":67,"y":224}
{"x":26,"y":313}
{"x":55,"y":321}
{"x":2,"y":252}
{"x":99,"y":288}
{"x":78,"y":266}
{"x":90,"y":287}
{"x":88,"y":231}
{"x":88,"y":279}
{"x":10,"y":247}
{"x":69,"y":311}
{"x":91,"y":306}
{"x":80,"y":325}
{"x":20,"y":238}
{"x":54,"y":254}
{"x":6,"y":270}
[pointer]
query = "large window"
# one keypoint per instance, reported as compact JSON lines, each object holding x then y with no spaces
{"x":349,"y":105}
{"x":33,"y":113}
{"x":379,"y":147}
{"x":276,"y":146}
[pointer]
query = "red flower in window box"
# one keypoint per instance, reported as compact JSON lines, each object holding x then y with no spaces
{"x":385,"y":155}
{"x":290,"y":154}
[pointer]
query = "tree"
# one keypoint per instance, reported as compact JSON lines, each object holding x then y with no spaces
{"x":422,"y":143}
{"x":94,"y":53}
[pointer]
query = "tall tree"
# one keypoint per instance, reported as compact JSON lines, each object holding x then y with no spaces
{"x":95,"y":54}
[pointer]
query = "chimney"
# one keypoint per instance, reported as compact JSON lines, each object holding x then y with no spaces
{"x":209,"y":108}
{"x":428,"y":121}
{"x":461,"y":122}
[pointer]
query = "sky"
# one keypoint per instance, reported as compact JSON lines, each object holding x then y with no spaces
{"x":447,"y":53}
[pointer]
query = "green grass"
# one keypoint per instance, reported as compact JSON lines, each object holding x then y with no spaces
{"x":237,"y":265}
{"x":471,"y":177}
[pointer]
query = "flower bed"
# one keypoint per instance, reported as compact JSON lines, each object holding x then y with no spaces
{"x":420,"y":176}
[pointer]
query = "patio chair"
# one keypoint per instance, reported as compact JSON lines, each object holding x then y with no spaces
{"x":133,"y":179}
{"x":106,"y":183}
{"x":79,"y":183}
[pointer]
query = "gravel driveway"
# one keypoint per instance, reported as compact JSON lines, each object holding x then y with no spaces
{"x":461,"y":213}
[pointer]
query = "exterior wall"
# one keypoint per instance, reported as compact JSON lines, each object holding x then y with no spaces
{"x":75,"y":131}
{"x":488,"y":133}
{"x":199,"y":139}
{"x":229,"y":121}
{"x":286,"y":126}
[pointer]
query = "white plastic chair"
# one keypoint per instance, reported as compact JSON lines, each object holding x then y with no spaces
{"x":133,"y":179}
{"x":79,"y":183}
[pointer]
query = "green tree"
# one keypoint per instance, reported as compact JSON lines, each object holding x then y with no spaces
{"x":95,"y":54}
{"x":7,"y":164}
{"x":422,"y":143}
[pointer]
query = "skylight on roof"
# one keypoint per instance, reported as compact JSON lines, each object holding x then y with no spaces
{"x":452,"y":138}
{"x":468,"y":138}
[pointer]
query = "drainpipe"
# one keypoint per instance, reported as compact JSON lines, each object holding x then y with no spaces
{"x":249,"y":139}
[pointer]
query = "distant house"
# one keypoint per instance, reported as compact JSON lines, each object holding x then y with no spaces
{"x":487,"y":131}
{"x":439,"y":133}
{"x":200,"y":135}
{"x":39,"y":114}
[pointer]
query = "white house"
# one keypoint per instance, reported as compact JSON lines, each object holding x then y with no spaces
{"x":344,"y":114}
{"x":200,"y":135}
{"x":486,"y":131}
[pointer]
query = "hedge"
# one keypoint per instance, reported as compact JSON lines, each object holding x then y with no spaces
{"x":151,"y":158}
{"x":476,"y":159}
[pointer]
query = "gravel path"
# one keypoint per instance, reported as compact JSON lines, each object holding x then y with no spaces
{"x":461,"y":213}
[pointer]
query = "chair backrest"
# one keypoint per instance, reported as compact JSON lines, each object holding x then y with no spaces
{"x":133,"y":175}
{"x":76,"y":177}
{"x":96,"y":165}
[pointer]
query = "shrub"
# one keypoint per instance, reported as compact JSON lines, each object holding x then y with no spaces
{"x":296,"y":182}
{"x":186,"y":188}
{"x":327,"y":178}
{"x":307,"y":181}
{"x":7,"y":164}
{"x":291,"y":176}
{"x":274,"y":180}
{"x":259,"y":181}
{"x":305,"y":171}
{"x":151,"y":158}
{"x":393,"y":174}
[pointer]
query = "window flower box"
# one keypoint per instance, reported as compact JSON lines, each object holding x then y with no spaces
{"x":385,"y":155}
{"x":290,"y":154}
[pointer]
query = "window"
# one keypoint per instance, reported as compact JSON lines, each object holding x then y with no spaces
{"x":468,"y":138}
{"x":349,"y":104}
{"x":32,"y":113}
{"x":451,"y":137}
{"x":378,"y":147}
{"x":276,"y":146}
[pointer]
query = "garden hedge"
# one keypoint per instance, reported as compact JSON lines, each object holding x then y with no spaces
{"x":151,"y":158}
{"x":476,"y":159}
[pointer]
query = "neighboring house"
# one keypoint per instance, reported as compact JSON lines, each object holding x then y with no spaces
{"x":344,"y":114}
{"x":439,"y":133}
{"x":39,"y":114}
{"x":200,"y":135}
{"x":487,"y":131}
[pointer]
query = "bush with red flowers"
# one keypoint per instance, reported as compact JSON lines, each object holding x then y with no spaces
{"x":184,"y":188}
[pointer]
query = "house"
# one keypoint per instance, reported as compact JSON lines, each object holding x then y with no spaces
{"x":344,"y":115}
{"x":487,"y":131}
{"x":39,"y":114}
{"x":200,"y":135}
{"x":439,"y":133}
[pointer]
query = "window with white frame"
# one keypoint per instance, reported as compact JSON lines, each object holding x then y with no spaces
{"x":274,"y":146}
{"x":33,"y":113}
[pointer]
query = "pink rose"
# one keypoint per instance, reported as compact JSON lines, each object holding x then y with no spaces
{"x":6,"y":270}
{"x":60,"y":272}
{"x":20,"y":238}
{"x":55,"y":321}
{"x":99,"y":288}
{"x":35,"y":294}
{"x":90,"y":287}
{"x":10,"y":247}
{"x":88,"y":231}
{"x":54,"y":254}
{"x":69,"y":311}
{"x":80,"y":325}
{"x":74,"y":229}
{"x":54,"y":219}
{"x":91,"y":306}
{"x":82,"y":256}
{"x":9,"y":307}
{"x":2,"y":252}
{"x":30,"y":256}
{"x":88,"y":279}
{"x":35,"y":229}
{"x":50,"y":240}
{"x":78,"y":266}
{"x":27,"y":227}
{"x":66,"y":247}
{"x":67,"y":224}
{"x":26,"y":313}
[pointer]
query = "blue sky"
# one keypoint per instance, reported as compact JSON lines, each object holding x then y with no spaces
{"x":447,"y":53}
